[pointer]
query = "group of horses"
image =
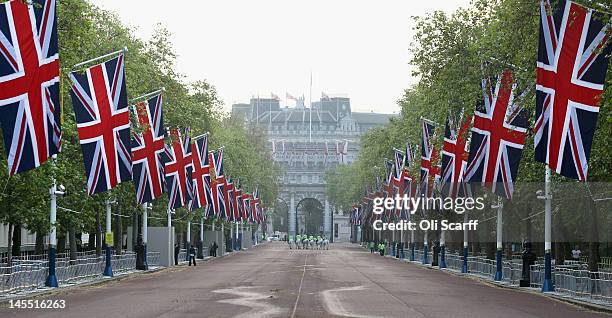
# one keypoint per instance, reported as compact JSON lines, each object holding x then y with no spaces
{"x":305,"y":243}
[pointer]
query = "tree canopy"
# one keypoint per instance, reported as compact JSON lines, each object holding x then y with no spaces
{"x":85,"y":31}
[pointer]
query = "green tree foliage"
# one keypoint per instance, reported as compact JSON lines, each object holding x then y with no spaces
{"x":85,"y":32}
{"x":450,"y":54}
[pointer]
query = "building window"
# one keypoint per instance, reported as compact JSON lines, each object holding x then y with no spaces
{"x":335,"y":229}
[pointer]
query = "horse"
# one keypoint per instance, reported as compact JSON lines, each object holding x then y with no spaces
{"x":312,"y":242}
{"x":325,"y":244}
{"x":290,"y":242}
{"x":320,"y":244}
{"x":305,"y":243}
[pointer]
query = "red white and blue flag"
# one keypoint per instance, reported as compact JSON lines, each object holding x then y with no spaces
{"x":571,"y":71}
{"x":498,"y":136}
{"x":454,"y":158}
{"x":408,"y":189}
{"x":238,"y":202}
{"x":256,"y":207}
{"x":397,"y":165}
{"x":178,"y":168}
{"x":407,"y":156}
{"x":429,"y":156}
{"x":29,"y":83}
{"x":217,"y":184}
{"x":230,"y":200}
{"x":147,"y":150}
{"x":202,"y":195}
{"x":246,"y":204}
{"x":99,"y":98}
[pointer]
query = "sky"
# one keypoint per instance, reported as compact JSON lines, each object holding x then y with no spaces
{"x":248,"y":48}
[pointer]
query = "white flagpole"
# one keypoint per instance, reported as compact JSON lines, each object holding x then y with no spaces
{"x":310,"y":112}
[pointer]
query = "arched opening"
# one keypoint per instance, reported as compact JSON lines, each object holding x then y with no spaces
{"x":309,"y":217}
{"x":280,"y":220}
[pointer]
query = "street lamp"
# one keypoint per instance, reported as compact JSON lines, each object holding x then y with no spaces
{"x":547,"y":285}
{"x":108,"y":268}
{"x":53,"y":192}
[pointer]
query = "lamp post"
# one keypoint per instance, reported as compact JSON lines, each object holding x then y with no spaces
{"x":141,"y":246}
{"x":547,"y":285}
{"x":498,"y":253}
{"x":464,"y":267}
{"x":108,"y":268}
{"x":53,"y":192}
{"x":170,"y":238}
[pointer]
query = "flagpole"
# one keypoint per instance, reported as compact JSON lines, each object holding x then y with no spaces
{"x":201,"y":249}
{"x":223,"y":238}
{"x":108,"y":269}
{"x":52,"y":278}
{"x":170,"y":245}
{"x":145,"y":234}
{"x":257,"y":110}
{"x":464,"y":267}
{"x":99,"y":58}
{"x":547,"y":286}
{"x":188,"y":246}
{"x":498,"y":254}
{"x":147,"y":95}
{"x":310,"y":112}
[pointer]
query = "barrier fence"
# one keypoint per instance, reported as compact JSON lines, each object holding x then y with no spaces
{"x":572,"y":279}
{"x":30,"y":274}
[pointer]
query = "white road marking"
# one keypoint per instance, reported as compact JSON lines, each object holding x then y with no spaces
{"x":252,"y":300}
{"x":334,"y":306}
{"x":297,"y":299}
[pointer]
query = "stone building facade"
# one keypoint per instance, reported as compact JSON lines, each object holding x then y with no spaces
{"x":305,"y":142}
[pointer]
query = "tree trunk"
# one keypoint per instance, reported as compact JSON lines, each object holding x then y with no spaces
{"x":9,"y":251}
{"x":98,"y":234}
{"x":118,"y":242}
{"x":134,"y":230}
{"x":72,"y":242}
{"x":593,"y":237}
{"x":39,"y":246}
{"x":491,"y":249}
{"x":16,"y":247}
{"x":61,"y":242}
{"x":91,"y":242}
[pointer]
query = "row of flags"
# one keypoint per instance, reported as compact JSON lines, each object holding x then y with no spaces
{"x":486,"y":148}
{"x":113,"y":152}
{"x":341,"y":151}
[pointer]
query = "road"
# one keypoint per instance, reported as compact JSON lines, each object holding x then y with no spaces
{"x":272,"y":281}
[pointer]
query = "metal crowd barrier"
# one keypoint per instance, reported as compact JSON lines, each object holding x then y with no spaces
{"x":571,"y":279}
{"x":27,"y":275}
{"x":153,"y":258}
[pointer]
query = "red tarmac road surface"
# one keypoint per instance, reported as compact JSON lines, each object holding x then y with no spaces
{"x":273,"y":281}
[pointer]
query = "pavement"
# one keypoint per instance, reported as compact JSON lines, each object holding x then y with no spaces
{"x":272,"y":281}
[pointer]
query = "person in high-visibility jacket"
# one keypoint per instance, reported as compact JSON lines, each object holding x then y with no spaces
{"x":298,"y":241}
{"x":381,"y":249}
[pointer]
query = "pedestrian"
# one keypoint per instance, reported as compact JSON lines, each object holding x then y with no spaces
{"x":371,"y":247}
{"x":381,"y":249}
{"x":576,"y":253}
{"x":177,"y":249}
{"x":192,"y":254}
{"x":214,"y":249}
